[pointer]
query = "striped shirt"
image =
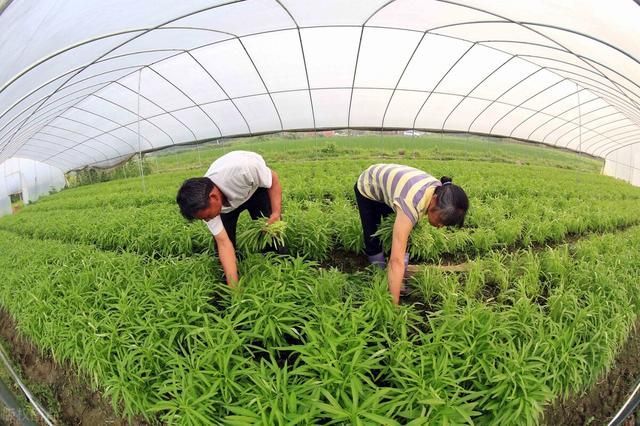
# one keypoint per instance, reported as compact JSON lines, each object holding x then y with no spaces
{"x":399,"y":186}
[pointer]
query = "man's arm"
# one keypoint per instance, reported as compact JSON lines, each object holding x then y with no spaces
{"x":275,"y":198}
{"x":227,"y":255}
{"x":401,"y":229}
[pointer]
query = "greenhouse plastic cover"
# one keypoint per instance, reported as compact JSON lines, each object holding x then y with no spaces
{"x":30,"y":178}
{"x":90,"y":83}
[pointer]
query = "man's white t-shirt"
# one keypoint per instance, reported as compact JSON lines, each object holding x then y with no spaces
{"x":238,"y":174}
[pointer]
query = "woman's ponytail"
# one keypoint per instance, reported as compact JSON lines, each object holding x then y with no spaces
{"x":452,"y":202}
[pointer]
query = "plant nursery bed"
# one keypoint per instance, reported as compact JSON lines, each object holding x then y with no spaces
{"x":66,"y":396}
{"x":606,"y":397}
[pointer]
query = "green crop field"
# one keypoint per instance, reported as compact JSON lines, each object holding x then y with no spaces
{"x":112,"y":280}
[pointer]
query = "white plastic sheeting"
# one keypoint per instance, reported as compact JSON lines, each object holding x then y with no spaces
{"x":5,"y":201}
{"x":85,"y":82}
{"x":32,"y":179}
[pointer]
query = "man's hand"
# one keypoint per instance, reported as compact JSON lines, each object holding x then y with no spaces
{"x":273,"y":218}
{"x":227,"y":255}
{"x":275,"y":198}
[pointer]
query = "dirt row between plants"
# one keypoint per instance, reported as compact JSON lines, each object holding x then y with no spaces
{"x":599,"y":404}
{"x":67,"y":397}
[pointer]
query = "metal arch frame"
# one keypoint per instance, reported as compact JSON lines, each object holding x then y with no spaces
{"x":79,"y":134}
{"x":525,"y":101}
{"x":262,"y":80}
{"x":475,"y":87}
{"x":107,"y":83}
{"x":574,"y":65}
{"x":574,"y":80}
{"x":571,"y":121}
{"x":415,"y":49}
{"x":602,"y":144}
{"x":108,"y":132}
{"x":53,"y":108}
{"x":581,"y":124}
{"x":614,"y":97}
{"x":304,"y":60}
{"x":354,"y":72}
{"x":601,"y":91}
{"x":584,"y":124}
{"x":542,"y":109}
{"x":496,"y":99}
{"x":620,"y":137}
{"x":183,"y":94}
{"x":617,"y":98}
{"x":93,"y":113}
{"x":62,"y":165}
{"x":602,"y":147}
{"x":596,"y":119}
{"x":355,"y":67}
{"x":538,"y":45}
{"x":223,"y":91}
{"x":173,"y":56}
{"x":578,"y":127}
{"x":179,"y":51}
{"x":606,"y":155}
{"x":100,"y":130}
{"x":66,"y":95}
{"x":368,"y":88}
{"x":413,"y":126}
{"x":569,"y":131}
{"x":67,"y":139}
{"x":554,"y":41}
{"x":80,"y":70}
{"x":610,"y":46}
{"x":622,"y":140}
{"x":60,"y":52}
{"x":126,"y":109}
{"x":125,"y":126}
{"x":404,"y":29}
{"x":220,"y":41}
{"x":53,"y":143}
{"x":624,"y":143}
{"x":562,"y":113}
{"x":616,"y":102}
{"x":134,"y":113}
{"x":152,"y":103}
{"x":52,"y":149}
{"x":2,"y":149}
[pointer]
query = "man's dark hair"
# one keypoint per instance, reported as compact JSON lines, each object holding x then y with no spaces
{"x":452,"y":203}
{"x":193,"y":196}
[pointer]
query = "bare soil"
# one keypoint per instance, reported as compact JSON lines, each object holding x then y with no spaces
{"x":598,"y":405}
{"x":75,"y":402}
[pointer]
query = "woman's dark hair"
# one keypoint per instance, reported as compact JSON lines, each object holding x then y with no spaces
{"x":193,"y":196}
{"x":452,"y":203}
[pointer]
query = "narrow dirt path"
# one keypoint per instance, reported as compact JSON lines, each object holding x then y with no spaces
{"x":607,"y":396}
{"x":66,"y":396}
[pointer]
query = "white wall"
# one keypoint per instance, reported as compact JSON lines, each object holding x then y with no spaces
{"x":624,"y":164}
{"x":32,"y":178}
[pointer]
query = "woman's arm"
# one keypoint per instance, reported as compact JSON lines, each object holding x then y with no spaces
{"x":395,"y":272}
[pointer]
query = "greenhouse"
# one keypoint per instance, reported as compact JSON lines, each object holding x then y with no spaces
{"x":115,"y":308}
